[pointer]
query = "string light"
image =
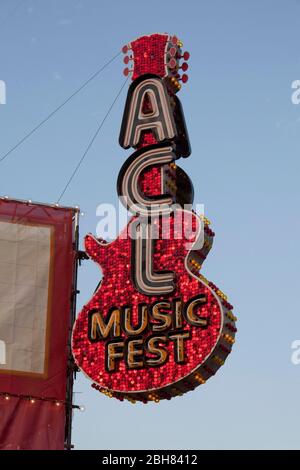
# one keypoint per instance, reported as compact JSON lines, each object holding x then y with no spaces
{"x":33,"y":400}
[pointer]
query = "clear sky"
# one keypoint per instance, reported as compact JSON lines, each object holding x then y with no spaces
{"x":245,"y":136}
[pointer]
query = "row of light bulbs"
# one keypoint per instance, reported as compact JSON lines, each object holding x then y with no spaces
{"x":33,"y":400}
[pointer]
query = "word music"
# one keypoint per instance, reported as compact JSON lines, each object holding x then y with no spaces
{"x":161,"y":317}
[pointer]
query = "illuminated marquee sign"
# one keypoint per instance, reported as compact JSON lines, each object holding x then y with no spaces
{"x":155,"y":328}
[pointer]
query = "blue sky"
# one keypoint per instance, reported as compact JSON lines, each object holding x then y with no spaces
{"x":245,"y":137}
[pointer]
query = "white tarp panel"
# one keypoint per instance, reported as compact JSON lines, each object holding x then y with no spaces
{"x":25,"y":256}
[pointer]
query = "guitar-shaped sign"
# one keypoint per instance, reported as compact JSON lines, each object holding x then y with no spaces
{"x":155,"y":328}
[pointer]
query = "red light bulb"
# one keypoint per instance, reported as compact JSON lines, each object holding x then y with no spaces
{"x":184,"y":66}
{"x":184,"y":78}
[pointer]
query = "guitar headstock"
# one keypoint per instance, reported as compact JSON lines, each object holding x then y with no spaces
{"x":158,"y":54}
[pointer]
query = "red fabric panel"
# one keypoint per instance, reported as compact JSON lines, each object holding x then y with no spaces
{"x":41,"y":425}
{"x":26,"y":426}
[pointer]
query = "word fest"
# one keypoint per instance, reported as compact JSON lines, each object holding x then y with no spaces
{"x":155,"y":327}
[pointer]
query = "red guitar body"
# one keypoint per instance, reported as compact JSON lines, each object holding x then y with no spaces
{"x":212,"y":341}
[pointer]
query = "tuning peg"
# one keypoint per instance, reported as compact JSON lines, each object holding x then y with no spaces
{"x":127,"y":59}
{"x":125,"y":49}
{"x":184,"y":78}
{"x":184,"y":66}
{"x":184,"y":56}
{"x":127,"y":71}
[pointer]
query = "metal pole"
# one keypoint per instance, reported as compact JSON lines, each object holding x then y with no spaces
{"x":71,"y":370}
